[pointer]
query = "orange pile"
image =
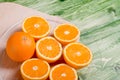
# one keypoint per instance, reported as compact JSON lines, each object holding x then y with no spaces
{"x":60,"y":52}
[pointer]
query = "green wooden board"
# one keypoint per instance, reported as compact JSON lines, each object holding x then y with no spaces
{"x":99,"y":22}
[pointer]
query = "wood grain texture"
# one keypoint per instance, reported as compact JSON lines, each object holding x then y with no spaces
{"x":11,"y":17}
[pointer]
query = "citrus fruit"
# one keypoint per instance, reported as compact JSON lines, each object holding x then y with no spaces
{"x":48,"y":49}
{"x":20,"y":46}
{"x":35,"y":69}
{"x":36,"y":26}
{"x":66,"y":33}
{"x":77,"y":55}
{"x":63,"y":72}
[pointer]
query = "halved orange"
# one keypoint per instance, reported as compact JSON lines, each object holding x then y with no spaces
{"x":36,"y":26}
{"x":35,"y":69}
{"x":66,"y":33}
{"x":77,"y":55}
{"x":63,"y":72}
{"x":48,"y":49}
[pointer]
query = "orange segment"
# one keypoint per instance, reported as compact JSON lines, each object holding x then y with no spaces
{"x":63,"y":72}
{"x":77,"y":55}
{"x":35,"y":69}
{"x":66,"y":33}
{"x":49,"y":49}
{"x":36,"y":26}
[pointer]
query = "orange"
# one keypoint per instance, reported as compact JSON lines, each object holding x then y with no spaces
{"x":77,"y":55}
{"x":66,"y":33}
{"x":35,"y":69}
{"x":20,"y":46}
{"x":48,"y":49}
{"x":36,"y":26}
{"x":63,"y":72}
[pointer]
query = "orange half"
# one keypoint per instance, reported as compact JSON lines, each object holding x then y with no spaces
{"x":66,"y":33}
{"x":48,"y":49}
{"x":77,"y":55}
{"x":36,"y":26}
{"x":35,"y":69}
{"x":63,"y":72}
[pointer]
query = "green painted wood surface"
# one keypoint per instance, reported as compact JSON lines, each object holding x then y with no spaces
{"x":99,"y":22}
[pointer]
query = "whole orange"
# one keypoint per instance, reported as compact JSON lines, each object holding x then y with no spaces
{"x":20,"y":46}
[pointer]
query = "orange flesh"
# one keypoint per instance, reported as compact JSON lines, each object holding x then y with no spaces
{"x":78,"y":54}
{"x":36,"y":26}
{"x":53,"y":48}
{"x":63,"y":73}
{"x":35,"y":68}
{"x":71,"y":32}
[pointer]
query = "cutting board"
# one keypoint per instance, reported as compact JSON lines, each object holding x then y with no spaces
{"x":11,"y":18}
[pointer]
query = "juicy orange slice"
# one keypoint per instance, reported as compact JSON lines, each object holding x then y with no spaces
{"x":63,"y":72}
{"x":48,"y":49}
{"x":66,"y":33}
{"x":77,"y":55}
{"x":36,"y":26}
{"x":35,"y":69}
